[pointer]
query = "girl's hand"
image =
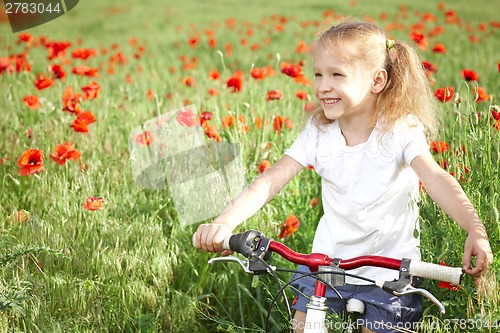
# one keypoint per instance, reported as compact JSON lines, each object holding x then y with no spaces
{"x":209,"y":237}
{"x":477,"y":245}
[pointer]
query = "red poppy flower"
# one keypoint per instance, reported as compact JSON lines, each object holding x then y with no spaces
{"x":301,"y":94}
{"x":294,"y":71}
{"x":42,"y":82}
{"x":228,"y":120}
{"x":302,"y":47}
{"x":269,"y":71}
{"x":264,"y":165}
{"x":86,"y":116}
{"x":290,"y":226}
{"x":258,"y":122}
{"x":213,"y":92}
{"x":72,"y":107}
{"x":314,"y":202}
{"x":258,"y":73}
{"x":436,"y":31}
{"x":189,"y":81}
{"x":129,"y":79}
{"x":85,"y":70}
{"x":144,"y":139}
{"x":211,"y":132}
{"x":429,"y":66}
{"x":474,"y":39}
{"x":439,"y":48}
{"x":193,"y":41}
{"x":235,"y":82}
{"x":83,"y":53}
{"x":187,"y":118}
{"x":439,"y":146}
{"x":291,"y":70}
{"x":309,"y":107}
{"x":420,"y":39}
{"x":481,"y":94}
{"x":31,"y":162}
{"x":118,"y":58}
{"x":212,"y":42}
{"x":150,"y":94}
{"x":22,"y":64}
{"x":495,"y":112}
{"x":80,"y":125}
{"x":25,"y":37}
{"x":229,"y":49}
{"x":429,"y":17}
{"x":57,"y":49}
{"x":279,"y":121}
{"x":91,"y":90}
{"x":419,"y":26}
{"x":63,"y":152}
{"x":32,"y":102}
{"x":470,"y":75}
{"x":5,"y":65}
{"x":444,"y":94}
{"x":447,"y":285}
{"x":57,"y":72}
{"x":274,"y":95}
{"x":190,"y":64}
{"x":205,"y":116}
{"x":93,"y":203}
{"x":214,"y":74}
{"x":70,"y":97}
{"x":497,"y":124}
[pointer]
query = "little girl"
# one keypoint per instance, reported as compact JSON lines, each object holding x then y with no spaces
{"x":366,"y":140}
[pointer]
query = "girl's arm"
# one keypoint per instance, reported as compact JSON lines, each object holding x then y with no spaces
{"x":210,"y":236}
{"x":445,"y":190}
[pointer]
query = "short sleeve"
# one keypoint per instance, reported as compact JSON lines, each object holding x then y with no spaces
{"x":303,"y":148}
{"x":414,"y":142}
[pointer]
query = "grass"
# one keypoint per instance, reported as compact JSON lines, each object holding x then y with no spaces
{"x":130,"y":267}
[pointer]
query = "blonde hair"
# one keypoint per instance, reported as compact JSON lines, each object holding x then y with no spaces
{"x":407,"y":91}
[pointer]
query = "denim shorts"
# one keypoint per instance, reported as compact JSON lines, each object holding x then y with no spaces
{"x":383,"y":311}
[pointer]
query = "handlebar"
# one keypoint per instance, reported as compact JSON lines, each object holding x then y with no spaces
{"x":254,"y":243}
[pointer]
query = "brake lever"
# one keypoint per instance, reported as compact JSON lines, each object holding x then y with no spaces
{"x":249,"y":266}
{"x":412,"y":290}
{"x":243,"y":263}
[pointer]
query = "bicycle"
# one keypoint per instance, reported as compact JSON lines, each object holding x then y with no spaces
{"x":330,"y":272}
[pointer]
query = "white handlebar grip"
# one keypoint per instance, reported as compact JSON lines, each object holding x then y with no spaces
{"x":225,"y":244}
{"x":436,"y":272}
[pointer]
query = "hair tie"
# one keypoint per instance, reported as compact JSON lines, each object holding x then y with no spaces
{"x":389,"y":43}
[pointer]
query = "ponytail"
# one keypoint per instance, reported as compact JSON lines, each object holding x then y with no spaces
{"x":407,"y":90}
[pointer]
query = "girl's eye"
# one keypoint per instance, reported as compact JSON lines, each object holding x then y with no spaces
{"x":317,"y":75}
{"x":337,"y":74}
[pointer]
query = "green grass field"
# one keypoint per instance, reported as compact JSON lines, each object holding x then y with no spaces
{"x":130,"y":266}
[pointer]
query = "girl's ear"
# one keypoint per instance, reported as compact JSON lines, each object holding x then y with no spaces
{"x":379,"y":81}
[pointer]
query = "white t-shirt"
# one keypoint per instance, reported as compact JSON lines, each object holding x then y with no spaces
{"x":370,"y":192}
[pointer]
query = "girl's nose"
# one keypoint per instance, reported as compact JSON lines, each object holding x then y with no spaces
{"x":325,"y":86}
